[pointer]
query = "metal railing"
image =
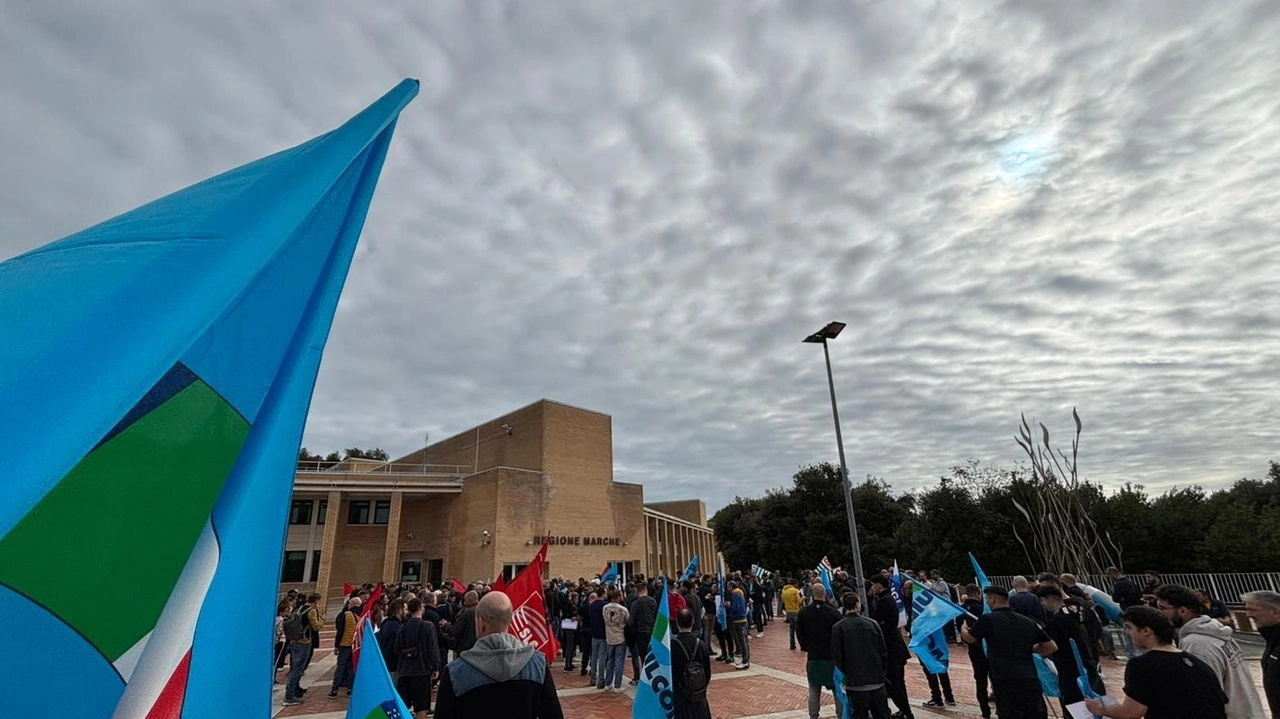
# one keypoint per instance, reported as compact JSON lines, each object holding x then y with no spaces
{"x":1224,"y":586}
{"x":354,"y":467}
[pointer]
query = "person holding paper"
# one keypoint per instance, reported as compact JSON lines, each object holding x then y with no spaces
{"x":1011,"y":638}
{"x":1164,"y":682}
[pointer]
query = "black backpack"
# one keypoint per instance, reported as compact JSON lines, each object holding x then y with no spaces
{"x":296,"y":625}
{"x":693,"y":685}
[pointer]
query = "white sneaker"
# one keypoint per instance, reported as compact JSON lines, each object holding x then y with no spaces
{"x":759,"y":634}
{"x":739,"y":665}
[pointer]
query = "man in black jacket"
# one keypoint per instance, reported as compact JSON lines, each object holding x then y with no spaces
{"x":419,"y":648}
{"x":1124,"y":591}
{"x":813,"y":631}
{"x":858,"y":650}
{"x":464,"y":629}
{"x":977,"y":654}
{"x":644,"y":613}
{"x":884,"y":609}
{"x":388,"y":633}
{"x":500,"y":676}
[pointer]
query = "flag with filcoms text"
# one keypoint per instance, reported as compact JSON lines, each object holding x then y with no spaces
{"x":655,"y":695}
{"x":932,"y":612}
{"x":165,"y":359}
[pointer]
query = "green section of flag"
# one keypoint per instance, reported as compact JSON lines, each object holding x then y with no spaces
{"x":104,"y":548}
{"x":377,"y":713}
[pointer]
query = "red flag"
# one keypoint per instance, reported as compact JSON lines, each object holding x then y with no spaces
{"x":499,"y":584}
{"x":529,"y":615}
{"x":457,"y":586}
{"x":364,"y":617}
{"x":347,"y":589}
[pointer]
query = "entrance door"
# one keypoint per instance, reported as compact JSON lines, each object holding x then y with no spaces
{"x":435,"y":572}
{"x":411,"y":566}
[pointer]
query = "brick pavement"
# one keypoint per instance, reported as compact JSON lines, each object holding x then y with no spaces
{"x":773,"y":688}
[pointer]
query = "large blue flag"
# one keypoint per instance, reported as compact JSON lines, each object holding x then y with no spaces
{"x":932,"y":612}
{"x":654,"y":695}
{"x":690,"y":570}
{"x":372,"y":695}
{"x":164,"y":360}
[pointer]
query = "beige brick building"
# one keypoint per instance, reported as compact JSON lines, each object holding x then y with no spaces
{"x":477,"y":504}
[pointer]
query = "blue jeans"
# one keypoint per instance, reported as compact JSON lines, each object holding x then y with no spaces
{"x":596,"y":672}
{"x":299,"y":657}
{"x":791,"y":628}
{"x":344,"y":673}
{"x":614,"y":663}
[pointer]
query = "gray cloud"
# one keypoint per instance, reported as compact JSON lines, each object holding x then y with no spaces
{"x":1017,"y":207}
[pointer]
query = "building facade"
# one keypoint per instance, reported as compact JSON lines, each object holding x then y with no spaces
{"x":479,"y":504}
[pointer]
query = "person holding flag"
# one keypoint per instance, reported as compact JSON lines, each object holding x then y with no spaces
{"x":345,"y":623}
{"x":814,"y":631}
{"x":1010,"y":640}
{"x":884,"y":610}
{"x":932,"y":612}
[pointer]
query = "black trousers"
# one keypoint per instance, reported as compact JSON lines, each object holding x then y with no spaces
{"x":896,"y":674}
{"x":1020,"y":699}
{"x":570,"y":646}
{"x":944,"y":680}
{"x":757,"y":613}
{"x":981,"y":679}
{"x":868,"y":705}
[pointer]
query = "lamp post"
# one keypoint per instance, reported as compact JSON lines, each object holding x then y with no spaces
{"x":830,"y":332}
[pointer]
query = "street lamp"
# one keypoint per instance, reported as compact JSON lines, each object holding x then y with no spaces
{"x":830,"y":332}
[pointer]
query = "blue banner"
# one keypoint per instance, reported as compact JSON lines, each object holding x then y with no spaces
{"x":932,"y":613}
{"x":825,"y":574}
{"x":690,"y":570}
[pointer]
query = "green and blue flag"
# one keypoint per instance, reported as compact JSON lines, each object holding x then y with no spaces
{"x":373,"y":696}
{"x":655,"y":695}
{"x":157,"y":375}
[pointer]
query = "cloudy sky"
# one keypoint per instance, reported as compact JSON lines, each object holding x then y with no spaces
{"x":642,"y":208}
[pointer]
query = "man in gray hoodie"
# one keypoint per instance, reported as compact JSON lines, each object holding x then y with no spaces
{"x":500,"y":676}
{"x":1213,"y":643}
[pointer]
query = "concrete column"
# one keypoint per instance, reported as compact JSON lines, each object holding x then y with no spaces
{"x":391,"y":558}
{"x":331,"y":518}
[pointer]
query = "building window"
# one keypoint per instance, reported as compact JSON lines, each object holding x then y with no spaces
{"x":382,"y":511}
{"x":509,"y":571}
{"x":315,"y":566}
{"x":322,"y":512}
{"x":295,"y":565}
{"x":300,"y":511}
{"x":358,"y":512}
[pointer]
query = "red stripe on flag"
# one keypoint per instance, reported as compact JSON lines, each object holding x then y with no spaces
{"x":169,"y":704}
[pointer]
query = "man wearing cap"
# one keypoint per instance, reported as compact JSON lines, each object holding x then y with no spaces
{"x":1011,"y":638}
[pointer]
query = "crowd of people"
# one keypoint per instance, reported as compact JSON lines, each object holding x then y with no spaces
{"x":1182,"y":658}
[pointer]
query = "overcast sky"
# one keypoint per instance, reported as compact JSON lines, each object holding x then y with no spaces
{"x":642,"y":208}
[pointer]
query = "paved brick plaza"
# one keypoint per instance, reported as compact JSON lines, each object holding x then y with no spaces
{"x":773,"y":687}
